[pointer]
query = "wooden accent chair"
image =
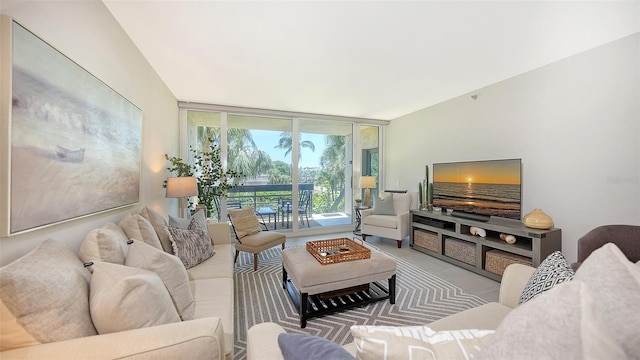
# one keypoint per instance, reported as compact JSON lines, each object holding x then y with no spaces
{"x":250,"y":236}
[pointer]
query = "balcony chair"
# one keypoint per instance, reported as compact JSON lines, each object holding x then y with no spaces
{"x":230,"y":205}
{"x":626,"y":237}
{"x":250,"y":237}
{"x":389,"y":217}
{"x":285,"y":207}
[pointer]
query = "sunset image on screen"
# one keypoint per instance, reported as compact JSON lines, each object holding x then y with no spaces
{"x":481,"y":187}
{"x":481,"y":172}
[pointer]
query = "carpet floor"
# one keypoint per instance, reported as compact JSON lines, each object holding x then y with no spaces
{"x":259,"y":297}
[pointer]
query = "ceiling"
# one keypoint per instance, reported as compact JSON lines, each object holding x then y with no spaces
{"x":369,"y":59}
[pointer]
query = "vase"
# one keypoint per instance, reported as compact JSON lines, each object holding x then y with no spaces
{"x":537,"y":219}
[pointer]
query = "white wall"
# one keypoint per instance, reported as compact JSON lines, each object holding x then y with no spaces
{"x":86,"y":32}
{"x":574,"y":123}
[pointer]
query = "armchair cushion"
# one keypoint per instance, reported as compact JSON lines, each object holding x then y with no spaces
{"x":383,"y":206}
{"x":245,"y":222}
{"x":401,"y":203}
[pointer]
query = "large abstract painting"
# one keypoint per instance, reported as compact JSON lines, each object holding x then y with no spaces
{"x":75,"y":143}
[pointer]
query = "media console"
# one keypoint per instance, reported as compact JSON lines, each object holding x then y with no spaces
{"x":450,"y":239}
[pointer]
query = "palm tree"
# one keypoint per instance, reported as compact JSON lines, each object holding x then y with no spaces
{"x":242,"y":153}
{"x":332,"y":162}
{"x":286,"y":142}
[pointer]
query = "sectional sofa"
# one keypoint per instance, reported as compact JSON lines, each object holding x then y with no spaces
{"x":125,"y":314}
{"x":544,"y":313}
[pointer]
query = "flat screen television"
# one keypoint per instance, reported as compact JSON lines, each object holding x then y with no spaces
{"x":479,"y":189}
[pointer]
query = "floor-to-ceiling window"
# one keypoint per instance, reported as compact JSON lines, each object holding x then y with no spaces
{"x":298,"y":172}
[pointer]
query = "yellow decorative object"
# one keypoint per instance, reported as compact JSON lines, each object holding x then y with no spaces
{"x":538,"y":220}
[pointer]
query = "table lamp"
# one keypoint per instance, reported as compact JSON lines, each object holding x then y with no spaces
{"x":367,"y":183}
{"x":181,"y":187}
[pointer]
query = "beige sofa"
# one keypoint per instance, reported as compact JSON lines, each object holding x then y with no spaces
{"x":545,"y":313}
{"x":262,"y":339}
{"x":208,"y":336}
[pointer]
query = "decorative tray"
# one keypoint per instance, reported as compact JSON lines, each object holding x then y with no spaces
{"x":334,"y":251}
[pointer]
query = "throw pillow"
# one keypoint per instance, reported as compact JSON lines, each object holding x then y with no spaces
{"x":181,"y":223}
{"x":160,"y":226}
{"x":416,"y":342}
{"x":107,"y":243}
{"x":191,"y":245}
{"x":553,"y":270}
{"x":383,"y":206}
{"x":245,"y":222}
{"x":309,"y":347}
{"x":564,"y":323}
{"x":616,"y":289}
{"x":44,"y":298}
{"x":171,"y":271}
{"x":124,"y":298}
{"x":138,"y":228}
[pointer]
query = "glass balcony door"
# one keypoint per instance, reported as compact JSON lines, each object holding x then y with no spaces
{"x":297,"y":173}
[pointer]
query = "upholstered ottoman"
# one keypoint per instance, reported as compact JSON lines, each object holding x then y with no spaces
{"x":318,"y":290}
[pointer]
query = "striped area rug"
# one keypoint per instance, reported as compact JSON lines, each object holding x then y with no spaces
{"x":259,"y":297}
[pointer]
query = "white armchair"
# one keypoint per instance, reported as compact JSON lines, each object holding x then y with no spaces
{"x":396,"y":226}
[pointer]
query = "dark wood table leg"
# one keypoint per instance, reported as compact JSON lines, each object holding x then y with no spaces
{"x":304,"y":305}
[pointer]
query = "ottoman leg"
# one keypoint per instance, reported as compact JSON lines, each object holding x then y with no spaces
{"x":392,"y":289}
{"x":304,"y":303}
{"x":284,"y":278}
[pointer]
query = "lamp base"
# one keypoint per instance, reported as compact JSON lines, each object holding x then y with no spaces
{"x":367,"y":197}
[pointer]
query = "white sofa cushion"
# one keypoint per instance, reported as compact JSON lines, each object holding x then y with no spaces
{"x":106,"y":243}
{"x":125,"y":298}
{"x":214,"y":297}
{"x":138,"y":228}
{"x":220,"y":265}
{"x":32,"y":310}
{"x":171,"y":271}
{"x":416,"y":342}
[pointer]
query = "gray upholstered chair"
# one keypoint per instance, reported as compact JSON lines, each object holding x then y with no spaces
{"x":250,"y":237}
{"x":626,"y":237}
{"x":394,"y":226}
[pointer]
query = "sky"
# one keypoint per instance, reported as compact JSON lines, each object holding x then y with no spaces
{"x":268,"y":140}
{"x":485,"y":172}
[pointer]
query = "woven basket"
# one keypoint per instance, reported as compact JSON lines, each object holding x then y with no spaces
{"x":334,"y":251}
{"x":425,"y":239}
{"x":496,"y":261}
{"x":460,"y":250}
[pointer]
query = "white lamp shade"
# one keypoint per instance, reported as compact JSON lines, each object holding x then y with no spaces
{"x":178,"y":187}
{"x":367,"y":182}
